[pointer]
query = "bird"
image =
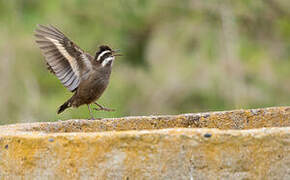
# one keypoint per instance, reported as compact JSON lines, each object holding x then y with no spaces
{"x":85,"y":75}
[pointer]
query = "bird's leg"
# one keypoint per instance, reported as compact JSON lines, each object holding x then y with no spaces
{"x":92,"y":116}
{"x":102,"y":108}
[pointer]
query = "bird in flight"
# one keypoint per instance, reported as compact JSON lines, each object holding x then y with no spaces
{"x":85,"y":75}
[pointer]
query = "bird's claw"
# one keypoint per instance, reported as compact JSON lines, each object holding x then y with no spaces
{"x":104,"y":109}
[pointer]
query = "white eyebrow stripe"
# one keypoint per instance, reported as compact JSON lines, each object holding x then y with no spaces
{"x":71,"y":60}
{"x":108,"y":59}
{"x":103,"y":53}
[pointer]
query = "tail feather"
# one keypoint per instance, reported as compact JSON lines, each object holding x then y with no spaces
{"x":63,"y":107}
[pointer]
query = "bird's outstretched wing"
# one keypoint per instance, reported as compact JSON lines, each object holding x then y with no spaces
{"x":64,"y":58}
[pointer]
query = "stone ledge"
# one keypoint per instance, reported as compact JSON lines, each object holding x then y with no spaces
{"x":240,"y":144}
{"x":237,"y":119}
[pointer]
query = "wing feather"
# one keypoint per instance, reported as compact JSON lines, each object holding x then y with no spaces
{"x":64,"y":58}
{"x":65,"y":76}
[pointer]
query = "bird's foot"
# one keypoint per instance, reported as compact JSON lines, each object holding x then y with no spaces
{"x":104,"y":109}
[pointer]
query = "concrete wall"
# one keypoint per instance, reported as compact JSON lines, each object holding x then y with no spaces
{"x":240,"y":144}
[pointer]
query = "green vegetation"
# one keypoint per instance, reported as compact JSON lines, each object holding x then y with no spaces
{"x":180,"y":56}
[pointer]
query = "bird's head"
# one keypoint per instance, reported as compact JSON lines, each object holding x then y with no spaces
{"x":106,"y":56}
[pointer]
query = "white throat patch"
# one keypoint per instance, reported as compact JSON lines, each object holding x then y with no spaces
{"x":102,"y":54}
{"x":107,"y":60}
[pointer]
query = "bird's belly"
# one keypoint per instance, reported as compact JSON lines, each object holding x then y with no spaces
{"x":88,"y":94}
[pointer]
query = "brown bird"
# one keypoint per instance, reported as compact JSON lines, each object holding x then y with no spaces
{"x":78,"y":71}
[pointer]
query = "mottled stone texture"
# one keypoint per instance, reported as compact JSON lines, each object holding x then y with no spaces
{"x":240,"y":144}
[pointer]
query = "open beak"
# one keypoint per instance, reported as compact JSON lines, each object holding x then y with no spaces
{"x":115,"y":52}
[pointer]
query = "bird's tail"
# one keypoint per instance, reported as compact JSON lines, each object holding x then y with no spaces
{"x":63,"y":107}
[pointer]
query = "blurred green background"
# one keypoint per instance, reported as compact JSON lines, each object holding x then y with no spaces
{"x":180,"y":56}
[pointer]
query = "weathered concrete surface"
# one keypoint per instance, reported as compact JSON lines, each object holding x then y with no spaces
{"x":218,"y":145}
